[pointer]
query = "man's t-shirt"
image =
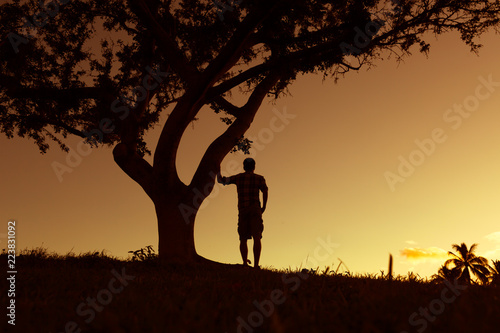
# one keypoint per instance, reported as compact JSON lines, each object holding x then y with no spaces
{"x":248,"y":185}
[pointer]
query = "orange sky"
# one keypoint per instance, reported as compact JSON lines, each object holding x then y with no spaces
{"x":327,"y":164}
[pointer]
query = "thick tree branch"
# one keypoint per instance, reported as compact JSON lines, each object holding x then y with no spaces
{"x":68,"y":128}
{"x":239,"y":79}
{"x":166,"y":151}
{"x":220,"y":147}
{"x":266,"y":66}
{"x":257,"y":70}
{"x":228,"y":107}
{"x":135,"y":167}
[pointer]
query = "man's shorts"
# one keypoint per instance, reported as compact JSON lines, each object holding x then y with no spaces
{"x":250,"y":224}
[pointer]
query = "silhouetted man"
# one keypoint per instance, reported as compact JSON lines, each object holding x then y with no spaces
{"x":250,"y":224}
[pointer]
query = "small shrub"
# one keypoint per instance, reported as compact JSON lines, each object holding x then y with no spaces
{"x":145,"y":254}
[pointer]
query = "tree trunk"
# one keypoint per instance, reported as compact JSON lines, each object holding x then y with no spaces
{"x":176,"y":230}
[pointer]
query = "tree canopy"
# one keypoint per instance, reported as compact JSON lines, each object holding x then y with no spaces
{"x":67,"y":65}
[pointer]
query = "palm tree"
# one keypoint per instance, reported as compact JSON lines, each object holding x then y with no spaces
{"x":467,"y":264}
{"x":495,"y":272}
{"x":445,"y":274}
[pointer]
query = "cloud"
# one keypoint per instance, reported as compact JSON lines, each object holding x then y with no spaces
{"x":411,"y":242}
{"x":421,"y":254}
{"x":492,"y":255}
{"x":494,"y":237}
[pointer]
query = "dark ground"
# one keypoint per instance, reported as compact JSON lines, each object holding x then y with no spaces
{"x":95,"y":293}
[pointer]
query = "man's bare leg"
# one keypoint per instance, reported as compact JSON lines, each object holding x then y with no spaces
{"x":257,"y":246}
{"x":244,"y":251}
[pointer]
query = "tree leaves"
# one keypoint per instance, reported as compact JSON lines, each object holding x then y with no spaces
{"x":107,"y":46}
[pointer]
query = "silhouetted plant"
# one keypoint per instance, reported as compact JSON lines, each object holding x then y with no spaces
{"x":495,"y":273}
{"x":445,"y":274}
{"x":35,"y":253}
{"x":341,"y":263}
{"x":412,"y":277}
{"x":467,"y":265}
{"x":144,"y":254}
{"x":389,"y":272}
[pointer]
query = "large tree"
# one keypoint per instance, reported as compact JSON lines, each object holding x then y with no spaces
{"x":106,"y":70}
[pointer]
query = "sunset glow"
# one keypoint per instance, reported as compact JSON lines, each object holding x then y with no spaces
{"x":400,"y":159}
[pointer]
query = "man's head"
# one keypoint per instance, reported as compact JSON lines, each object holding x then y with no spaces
{"x":249,"y":164}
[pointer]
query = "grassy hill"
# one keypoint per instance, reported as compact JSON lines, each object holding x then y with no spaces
{"x":95,"y":293}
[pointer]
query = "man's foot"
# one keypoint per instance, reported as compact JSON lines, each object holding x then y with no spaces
{"x":247,"y":263}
